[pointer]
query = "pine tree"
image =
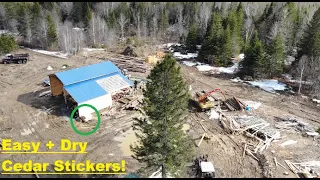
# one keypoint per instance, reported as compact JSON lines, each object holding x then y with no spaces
{"x":310,"y":47}
{"x":22,"y":20}
{"x":227,"y":48}
{"x":254,"y":60}
{"x":191,"y":41}
{"x":211,"y":48}
{"x":36,"y":32}
{"x":162,"y":143}
{"x":52,"y":34}
{"x":276,"y":57}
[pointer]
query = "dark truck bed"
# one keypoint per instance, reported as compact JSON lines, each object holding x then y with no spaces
{"x":16,"y":58}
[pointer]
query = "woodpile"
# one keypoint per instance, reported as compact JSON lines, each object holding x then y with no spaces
{"x":132,"y":64}
{"x":121,"y":94}
{"x":234,"y":104}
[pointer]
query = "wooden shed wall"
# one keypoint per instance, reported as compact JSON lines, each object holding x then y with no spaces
{"x":56,"y":85}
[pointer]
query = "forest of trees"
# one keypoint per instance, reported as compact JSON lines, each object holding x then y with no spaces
{"x":267,"y":33}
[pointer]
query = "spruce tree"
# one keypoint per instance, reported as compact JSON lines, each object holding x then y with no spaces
{"x":52,"y":34}
{"x":276,"y":57}
{"x":36,"y":35}
{"x":254,"y":60}
{"x":22,"y":25}
{"x":191,"y":41}
{"x":227,"y":48}
{"x":161,"y":141}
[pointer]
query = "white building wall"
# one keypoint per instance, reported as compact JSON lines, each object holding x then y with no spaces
{"x":99,"y":103}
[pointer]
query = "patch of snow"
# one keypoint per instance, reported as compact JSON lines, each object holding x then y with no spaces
{"x":178,"y":55}
{"x":188,"y":63}
{"x":252,"y":104}
{"x":269,"y":85}
{"x":290,"y":142}
{"x":213,"y":114}
{"x":241,"y":56}
{"x":228,"y":70}
{"x":204,"y":68}
{"x":316,"y":101}
{"x":312,"y":133}
{"x":51,"y":53}
{"x":93,"y":49}
{"x":49,"y":68}
{"x":168,"y":45}
{"x":237,"y":79}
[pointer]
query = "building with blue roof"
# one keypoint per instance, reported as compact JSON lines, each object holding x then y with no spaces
{"x":93,"y":84}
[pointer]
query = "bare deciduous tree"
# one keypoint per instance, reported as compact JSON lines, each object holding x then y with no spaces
{"x":122,"y":20}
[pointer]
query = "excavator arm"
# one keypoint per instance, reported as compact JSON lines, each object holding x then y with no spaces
{"x":203,"y":97}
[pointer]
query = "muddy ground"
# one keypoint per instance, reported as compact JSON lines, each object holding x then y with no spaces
{"x":24,"y":116}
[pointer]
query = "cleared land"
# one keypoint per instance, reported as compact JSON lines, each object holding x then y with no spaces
{"x":24,"y":116}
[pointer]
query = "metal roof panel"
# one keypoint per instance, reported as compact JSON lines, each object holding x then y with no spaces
{"x":87,"y":72}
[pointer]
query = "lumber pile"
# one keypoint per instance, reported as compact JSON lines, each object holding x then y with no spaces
{"x":132,"y":64}
{"x":234,"y":104}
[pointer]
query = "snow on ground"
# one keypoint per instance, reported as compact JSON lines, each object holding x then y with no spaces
{"x":178,"y":55}
{"x":269,"y":85}
{"x":316,"y":101}
{"x":204,"y":67}
{"x":93,"y":49}
{"x":227,"y":70}
{"x":170,"y":44}
{"x":189,"y":63}
{"x":51,"y":53}
{"x":252,"y":104}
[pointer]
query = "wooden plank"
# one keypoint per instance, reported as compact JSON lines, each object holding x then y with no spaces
{"x":201,"y":139}
{"x":56,"y":85}
{"x":244,"y":149}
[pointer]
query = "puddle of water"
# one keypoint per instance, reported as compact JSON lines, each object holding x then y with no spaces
{"x":127,"y":139}
{"x":185,"y":127}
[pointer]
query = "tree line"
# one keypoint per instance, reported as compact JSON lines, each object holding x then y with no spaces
{"x":267,"y":33}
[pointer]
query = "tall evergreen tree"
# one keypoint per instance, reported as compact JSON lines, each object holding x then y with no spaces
{"x":52,"y":34}
{"x":254,"y":60}
{"x":310,"y":47}
{"x":227,"y":48}
{"x":22,"y":20}
{"x":162,"y":143}
{"x":191,"y":41}
{"x":276,"y":57}
{"x":210,"y":49}
{"x":36,"y":31}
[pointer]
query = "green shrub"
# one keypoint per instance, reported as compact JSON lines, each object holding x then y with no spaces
{"x":7,"y":44}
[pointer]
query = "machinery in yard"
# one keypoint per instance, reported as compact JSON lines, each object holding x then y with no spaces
{"x":205,"y":101}
{"x":204,"y":168}
{"x":16,"y":58}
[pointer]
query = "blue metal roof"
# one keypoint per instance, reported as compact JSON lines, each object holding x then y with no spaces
{"x":87,"y":72}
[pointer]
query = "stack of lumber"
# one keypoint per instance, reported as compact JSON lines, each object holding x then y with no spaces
{"x":233,"y":104}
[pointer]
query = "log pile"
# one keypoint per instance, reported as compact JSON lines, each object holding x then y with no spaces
{"x":121,"y":94}
{"x":233,"y":104}
{"x":132,"y":64}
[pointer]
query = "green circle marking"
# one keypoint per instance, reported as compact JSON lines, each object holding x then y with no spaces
{"x":85,"y":133}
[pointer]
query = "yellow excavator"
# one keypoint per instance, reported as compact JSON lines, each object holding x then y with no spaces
{"x":204,"y":102}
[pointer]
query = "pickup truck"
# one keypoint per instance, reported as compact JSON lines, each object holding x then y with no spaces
{"x":16,"y":58}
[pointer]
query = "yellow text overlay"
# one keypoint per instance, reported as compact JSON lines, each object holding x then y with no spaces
{"x":61,"y":166}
